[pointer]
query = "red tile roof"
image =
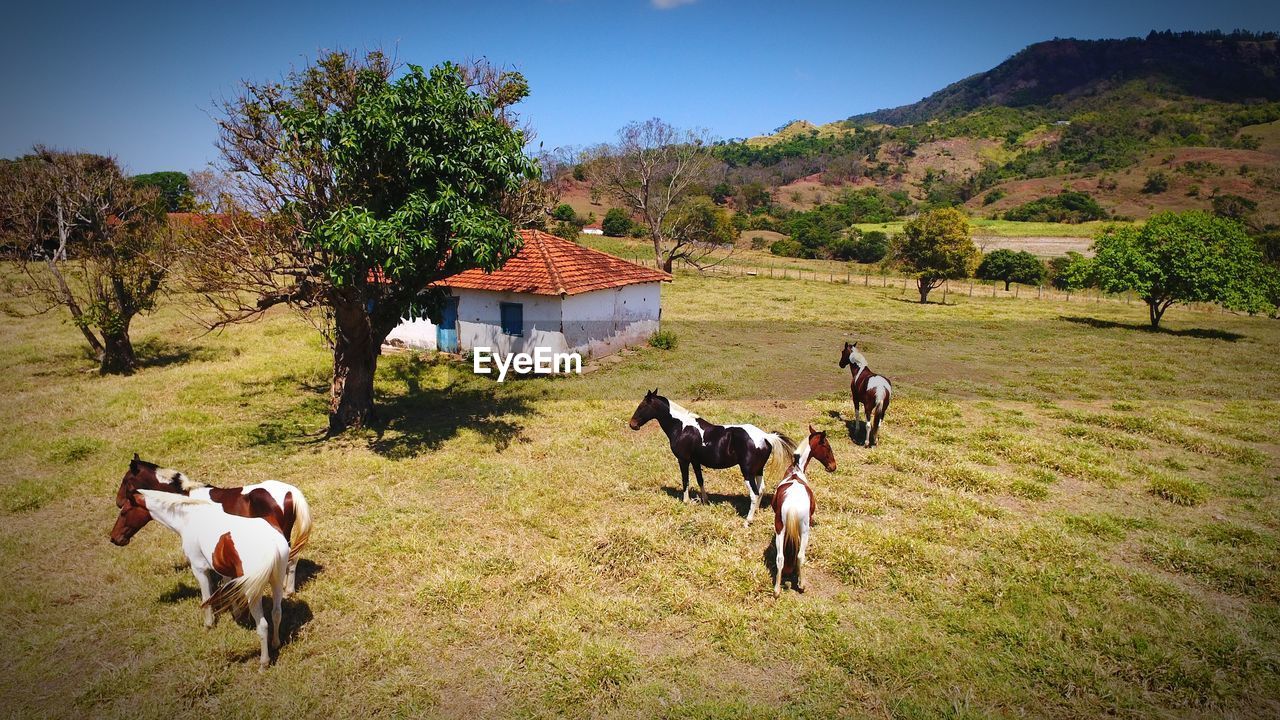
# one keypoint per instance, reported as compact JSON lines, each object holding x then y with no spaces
{"x":549,"y":265}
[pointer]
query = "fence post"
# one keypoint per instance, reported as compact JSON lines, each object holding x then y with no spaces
{"x":946,"y":285}
{"x":1015,"y":290}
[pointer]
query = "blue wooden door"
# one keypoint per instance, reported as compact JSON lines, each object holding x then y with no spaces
{"x":447,"y":331}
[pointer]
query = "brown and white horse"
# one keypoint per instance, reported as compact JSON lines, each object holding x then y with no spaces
{"x":870,"y":390}
{"x":282,"y":505}
{"x":696,"y":442}
{"x":250,"y":554}
{"x":793,"y":509}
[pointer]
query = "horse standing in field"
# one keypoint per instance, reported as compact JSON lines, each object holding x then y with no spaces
{"x":793,"y":508}
{"x":870,"y":390}
{"x":249,"y":553}
{"x":696,"y":442}
{"x":282,"y":505}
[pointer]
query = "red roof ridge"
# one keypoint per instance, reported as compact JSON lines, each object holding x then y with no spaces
{"x":536,"y":236}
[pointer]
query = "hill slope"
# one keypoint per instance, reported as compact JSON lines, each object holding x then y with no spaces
{"x":1237,"y":68}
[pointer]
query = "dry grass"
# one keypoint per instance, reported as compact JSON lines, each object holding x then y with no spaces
{"x":516,"y":550}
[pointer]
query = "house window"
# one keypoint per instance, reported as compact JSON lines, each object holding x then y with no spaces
{"x":512,"y":318}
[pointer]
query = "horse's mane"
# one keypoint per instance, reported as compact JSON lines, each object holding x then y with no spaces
{"x":677,"y":408}
{"x":176,"y":477}
{"x":856,"y":357}
{"x":159,"y":497}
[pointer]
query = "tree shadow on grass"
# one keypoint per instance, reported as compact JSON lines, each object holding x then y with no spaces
{"x":178,"y":593}
{"x":425,"y":418}
{"x":155,"y":352}
{"x":1202,"y":333}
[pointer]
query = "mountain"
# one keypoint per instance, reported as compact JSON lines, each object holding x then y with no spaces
{"x":1234,"y":68}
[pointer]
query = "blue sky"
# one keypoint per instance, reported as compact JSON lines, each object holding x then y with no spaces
{"x":138,"y":81}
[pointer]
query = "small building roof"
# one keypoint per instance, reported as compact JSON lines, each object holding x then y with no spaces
{"x":550,"y":265}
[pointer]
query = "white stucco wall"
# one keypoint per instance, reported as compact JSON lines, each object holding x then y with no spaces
{"x":605,"y":321}
{"x":594,"y":324}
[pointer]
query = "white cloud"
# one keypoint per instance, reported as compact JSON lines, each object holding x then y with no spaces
{"x":668,"y":4}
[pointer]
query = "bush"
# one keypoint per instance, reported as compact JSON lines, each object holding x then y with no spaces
{"x":786,"y":247}
{"x":1068,"y":206}
{"x":564,"y":212}
{"x":758,"y":243}
{"x":871,"y":247}
{"x":993,"y":196}
{"x":1072,"y":271}
{"x":616,"y":223}
{"x":1157,"y":182}
{"x":663,"y":340}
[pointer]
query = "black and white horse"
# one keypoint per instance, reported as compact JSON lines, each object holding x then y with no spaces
{"x":868,"y":389}
{"x":696,"y":442}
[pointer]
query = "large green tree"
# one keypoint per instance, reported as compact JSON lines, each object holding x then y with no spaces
{"x":174,"y":188}
{"x":935,"y":247}
{"x":358,"y":186}
{"x":1011,"y":267}
{"x":1184,"y":257}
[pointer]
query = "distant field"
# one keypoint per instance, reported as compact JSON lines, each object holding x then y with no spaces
{"x":1068,"y":516}
{"x":1009,"y":229}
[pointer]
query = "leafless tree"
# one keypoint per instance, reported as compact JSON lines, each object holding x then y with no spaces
{"x":650,"y":170}
{"x":89,"y":241}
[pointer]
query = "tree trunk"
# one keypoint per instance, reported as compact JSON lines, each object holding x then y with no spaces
{"x":1006,"y":285}
{"x":117,"y":354}
{"x":925,"y":286}
{"x":1156,"y":310}
{"x":667,"y":265}
{"x":77,"y":315}
{"x":355,"y":360}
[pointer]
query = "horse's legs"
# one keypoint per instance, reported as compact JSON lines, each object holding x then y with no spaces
{"x":702,"y":489}
{"x":804,"y":544}
{"x":874,"y":431}
{"x":753,"y":489}
{"x":291,"y":582}
{"x":260,"y":621}
{"x":277,"y":593}
{"x":684,"y":477}
{"x":777,"y":578}
{"x":206,"y":589}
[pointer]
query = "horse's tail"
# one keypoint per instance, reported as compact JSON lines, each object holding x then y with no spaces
{"x":781,"y":452}
{"x":884,"y":391}
{"x":260,"y":573}
{"x":301,"y":524}
{"x":790,"y":540}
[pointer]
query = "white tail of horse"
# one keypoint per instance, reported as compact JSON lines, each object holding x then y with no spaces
{"x":301,"y":525}
{"x":241,"y":592}
{"x":781,"y":453}
{"x":790,"y":538}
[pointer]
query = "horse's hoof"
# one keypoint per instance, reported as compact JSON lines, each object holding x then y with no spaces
{"x":746,"y":523}
{"x":799,"y":588}
{"x":777,"y":592}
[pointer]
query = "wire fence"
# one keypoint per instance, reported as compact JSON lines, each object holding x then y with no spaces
{"x":905,"y":284}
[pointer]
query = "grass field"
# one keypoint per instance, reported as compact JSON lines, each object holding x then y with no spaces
{"x":1068,"y":516}
{"x":1009,"y":228}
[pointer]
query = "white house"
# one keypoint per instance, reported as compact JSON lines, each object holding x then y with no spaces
{"x":553,"y":294}
{"x":594,"y":228}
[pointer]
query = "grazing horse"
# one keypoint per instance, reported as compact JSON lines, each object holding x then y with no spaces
{"x":793,"y":508}
{"x":249,"y":553}
{"x":696,"y":442}
{"x":870,"y":390}
{"x":282,"y":505}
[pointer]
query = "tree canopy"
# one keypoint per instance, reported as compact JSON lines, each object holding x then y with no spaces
{"x":1184,"y":257}
{"x":358,"y":189}
{"x":935,"y":247}
{"x":174,"y":188}
{"x":1011,"y":267}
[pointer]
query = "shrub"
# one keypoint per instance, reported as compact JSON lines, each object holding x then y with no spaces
{"x":758,"y":243}
{"x":786,"y":247}
{"x":564,"y":212}
{"x":616,"y":223}
{"x":993,"y":196}
{"x":663,"y":340}
{"x":1157,"y":182}
{"x":871,"y":247}
{"x":1068,"y":206}
{"x":1011,"y":267}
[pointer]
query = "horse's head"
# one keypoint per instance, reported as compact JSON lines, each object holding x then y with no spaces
{"x":133,"y":516}
{"x":844,"y":354}
{"x":820,"y":449}
{"x":649,"y":408}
